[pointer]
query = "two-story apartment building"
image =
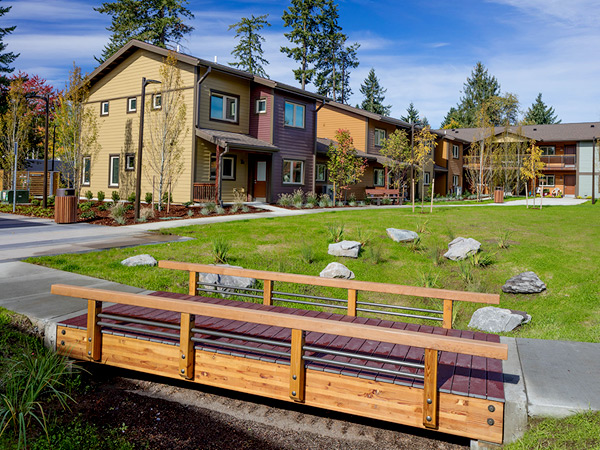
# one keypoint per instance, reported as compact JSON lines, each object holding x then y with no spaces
{"x":566,"y":149}
{"x":259,"y":133}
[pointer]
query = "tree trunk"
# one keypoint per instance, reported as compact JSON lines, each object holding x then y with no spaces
{"x":412,"y":193}
{"x":526,"y":196}
{"x":432,"y":191}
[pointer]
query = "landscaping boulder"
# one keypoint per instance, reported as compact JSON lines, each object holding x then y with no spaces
{"x":139,"y":260}
{"x":524,"y":283}
{"x":460,"y":248}
{"x":401,"y":235}
{"x":498,"y":320}
{"x":232,"y":282}
{"x":345,"y":248}
{"x":337,"y":270}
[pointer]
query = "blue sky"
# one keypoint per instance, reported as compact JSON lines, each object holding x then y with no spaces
{"x":422,"y":51}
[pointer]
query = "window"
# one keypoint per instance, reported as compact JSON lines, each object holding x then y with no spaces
{"x":547,"y":180}
{"x":455,"y":180}
{"x":293,"y":172}
{"x":104,"y":109}
{"x":113,"y":171}
{"x":378,"y":177}
{"x":130,"y":161}
{"x":294,"y":115}
{"x":321,"y":173}
{"x":427,"y":178}
{"x":223,"y":107}
{"x":455,"y":149}
{"x":228,"y":168}
{"x":548,"y":150}
{"x":261,"y":106}
{"x":379,"y":137}
{"x":156,"y":101}
{"x":131,"y":104}
{"x":86,"y":172}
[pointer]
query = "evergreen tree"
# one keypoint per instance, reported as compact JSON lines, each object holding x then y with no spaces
{"x":540,"y":114}
{"x":6,"y":59}
{"x":374,"y":95}
{"x":348,"y":60}
{"x":302,"y":18}
{"x":158,"y":22}
{"x":412,"y":116}
{"x":249,"y":52}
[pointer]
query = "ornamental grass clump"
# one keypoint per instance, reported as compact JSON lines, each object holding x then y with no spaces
{"x":336,"y":232}
{"x":220,"y":250}
{"x":117,"y":213}
{"x":298,"y":197}
{"x":285,"y":200}
{"x":146,"y":213}
{"x":324,"y":201}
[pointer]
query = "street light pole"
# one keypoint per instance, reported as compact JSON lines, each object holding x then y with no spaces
{"x":138,"y":176}
{"x":593,"y":170}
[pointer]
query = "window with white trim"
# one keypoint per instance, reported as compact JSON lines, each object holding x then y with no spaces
{"x":378,"y":177}
{"x":104,"y":108}
{"x":86,"y":172}
{"x":379,"y":137}
{"x":455,"y":150}
{"x":455,"y":180}
{"x":132,"y":104}
{"x":223,"y":107}
{"x":227,"y":170}
{"x":293,"y":171}
{"x":261,"y":106}
{"x":426,"y":178}
{"x":548,"y":150}
{"x":113,"y":171}
{"x":321,"y":172}
{"x":129,"y":161}
{"x":156,"y":101}
{"x":294,"y":115}
{"x":547,"y":180}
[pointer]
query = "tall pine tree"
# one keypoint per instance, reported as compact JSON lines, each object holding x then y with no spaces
{"x":158,"y":22}
{"x":6,"y":59}
{"x":540,"y":114}
{"x":249,"y":52}
{"x":374,"y":95}
{"x":302,"y":17}
{"x":412,"y":114}
{"x":348,"y":60}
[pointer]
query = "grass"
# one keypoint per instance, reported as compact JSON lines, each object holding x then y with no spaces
{"x":581,"y":431}
{"x":562,"y":250}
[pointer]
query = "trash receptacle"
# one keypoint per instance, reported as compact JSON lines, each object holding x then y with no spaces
{"x":499,"y":194}
{"x":65,"y":206}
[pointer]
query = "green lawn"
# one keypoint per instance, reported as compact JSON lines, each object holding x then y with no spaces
{"x":561,"y":244}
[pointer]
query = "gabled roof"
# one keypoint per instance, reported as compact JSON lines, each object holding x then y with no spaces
{"x":235,"y":141}
{"x":567,"y":132}
{"x":135,"y":45}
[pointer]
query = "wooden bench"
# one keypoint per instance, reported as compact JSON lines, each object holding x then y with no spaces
{"x":379,"y":194}
{"x":418,"y":375}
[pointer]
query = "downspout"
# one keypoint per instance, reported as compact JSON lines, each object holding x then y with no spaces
{"x":314,"y":158}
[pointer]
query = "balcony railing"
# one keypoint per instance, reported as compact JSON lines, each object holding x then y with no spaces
{"x":560,"y":160}
{"x":204,"y":192}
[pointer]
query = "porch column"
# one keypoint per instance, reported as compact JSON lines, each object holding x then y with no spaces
{"x":218,"y":175}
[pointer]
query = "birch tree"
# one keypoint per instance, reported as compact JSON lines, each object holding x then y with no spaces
{"x":532,"y":169}
{"x":163,"y":146}
{"x":424,"y":145}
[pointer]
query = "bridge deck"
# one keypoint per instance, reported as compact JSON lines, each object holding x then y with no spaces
{"x":459,"y":374}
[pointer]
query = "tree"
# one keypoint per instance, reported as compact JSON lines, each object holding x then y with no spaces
{"x":412,"y":116}
{"x":159,"y":22}
{"x":348,"y":60}
{"x":374,"y":95}
{"x":76,"y":127}
{"x":532,"y":169}
{"x":425,"y":143}
{"x":166,"y":132}
{"x":345,"y":166}
{"x":249,"y":53}
{"x":396,"y":149}
{"x":7,"y":58}
{"x":540,"y":114}
{"x":302,"y":18}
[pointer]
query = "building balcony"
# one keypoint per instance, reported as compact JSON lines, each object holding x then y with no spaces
{"x":559,"y":161}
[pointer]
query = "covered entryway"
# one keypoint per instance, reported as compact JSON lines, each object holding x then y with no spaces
{"x":570,"y":181}
{"x":260,"y":168}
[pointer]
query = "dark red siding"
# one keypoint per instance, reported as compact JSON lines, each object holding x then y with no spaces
{"x":260,"y":124}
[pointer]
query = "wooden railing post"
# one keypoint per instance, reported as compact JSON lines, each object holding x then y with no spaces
{"x":352,"y":297}
{"x":186,"y":346}
{"x":297,"y":368}
{"x":430,"y":391}
{"x":447,"y":323}
{"x":94,"y":333}
{"x":194,"y":278}
{"x":268,"y":292}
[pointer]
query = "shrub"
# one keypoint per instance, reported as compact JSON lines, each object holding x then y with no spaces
{"x":298,"y":205}
{"x":115,"y":196}
{"x":220,"y":250}
{"x":117,"y":213}
{"x":190,"y":213}
{"x":210,"y":206}
{"x":85,"y":206}
{"x":35,"y":202}
{"x":131,"y":197}
{"x":245,"y":208}
{"x":103,"y":207}
{"x":50,"y":201}
{"x":148,"y":197}
{"x":101,"y":196}
{"x":324,"y":201}
{"x":204,"y":211}
{"x":187,"y":204}
{"x":89,"y":195}
{"x":307,"y":254}
{"x":234,"y":208}
{"x":285,"y":200}
{"x":219,"y":210}
{"x":166,"y":198}
{"x":88,"y":215}
{"x":312,"y":199}
{"x":298,"y":196}
{"x":146,"y":213}
{"x":386,"y":201}
{"x":336,"y":232}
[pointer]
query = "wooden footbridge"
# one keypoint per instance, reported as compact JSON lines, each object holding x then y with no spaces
{"x":419,"y":375}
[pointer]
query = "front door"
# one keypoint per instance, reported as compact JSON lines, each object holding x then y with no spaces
{"x":570,"y":184}
{"x":260,"y":181}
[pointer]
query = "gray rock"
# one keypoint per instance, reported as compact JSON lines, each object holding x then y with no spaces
{"x":336,"y":270}
{"x":139,"y":260}
{"x":460,"y":248}
{"x":497,"y":320}
{"x":345,"y":248}
{"x":232,"y":282}
{"x":524,"y":283}
{"x":401,"y":235}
